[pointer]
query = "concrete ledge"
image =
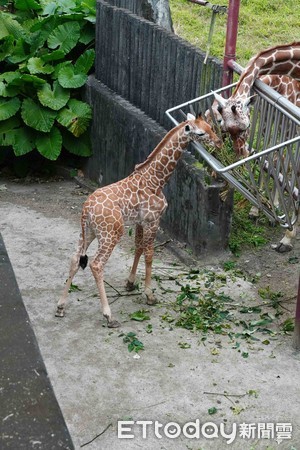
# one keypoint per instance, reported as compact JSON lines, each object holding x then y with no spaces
{"x":30,"y":417}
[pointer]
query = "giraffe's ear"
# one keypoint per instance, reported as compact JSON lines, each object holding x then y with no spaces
{"x":190,"y":116}
{"x":250,"y":100}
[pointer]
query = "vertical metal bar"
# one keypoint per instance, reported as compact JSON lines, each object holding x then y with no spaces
{"x":231,"y":38}
{"x":296,"y":343}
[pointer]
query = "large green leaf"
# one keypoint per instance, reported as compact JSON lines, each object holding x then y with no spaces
{"x":9,"y":124}
{"x":50,"y":9}
{"x":8,"y":108}
{"x":26,"y":5}
{"x":7,"y":89}
{"x":7,"y":131}
{"x":26,"y":78}
{"x":37,"y":65}
{"x":78,"y":146}
{"x":46,"y":24}
{"x":59,"y":7}
{"x":60,"y":66}
{"x":76,"y":117}
{"x":49,"y":145}
{"x":36,"y":116}
{"x":89,"y":6}
{"x":55,"y":98}
{"x":85,"y":62}
{"x":87,"y":34}
{"x":6,"y":47}
{"x":8,"y":25}
{"x":19,"y":53}
{"x":53,"y":56}
{"x":24,"y":141}
{"x":64,"y":37}
{"x":69,"y":79}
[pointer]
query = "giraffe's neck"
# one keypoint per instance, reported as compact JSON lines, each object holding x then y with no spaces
{"x":280,"y":60}
{"x":160,"y":164}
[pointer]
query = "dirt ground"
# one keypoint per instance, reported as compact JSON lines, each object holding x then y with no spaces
{"x":179,"y":377}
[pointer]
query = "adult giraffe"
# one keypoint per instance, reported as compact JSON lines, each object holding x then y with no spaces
{"x":279,"y":60}
{"x":137,"y":199}
{"x":279,"y":66}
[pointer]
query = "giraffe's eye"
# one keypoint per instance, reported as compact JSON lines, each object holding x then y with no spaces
{"x":187,"y":129}
{"x":220,"y":109}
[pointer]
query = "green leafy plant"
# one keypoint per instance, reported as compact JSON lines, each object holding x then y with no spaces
{"x":133,"y":342}
{"x":46,"y":53}
{"x":244,"y":232}
{"x":140,"y":315}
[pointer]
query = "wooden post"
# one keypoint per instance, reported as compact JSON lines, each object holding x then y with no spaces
{"x":231,"y":38}
{"x":296,"y":343}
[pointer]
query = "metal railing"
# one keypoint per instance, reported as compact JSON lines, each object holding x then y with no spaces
{"x":270,"y":177}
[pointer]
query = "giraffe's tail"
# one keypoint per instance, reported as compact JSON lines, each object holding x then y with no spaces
{"x":83,"y":259}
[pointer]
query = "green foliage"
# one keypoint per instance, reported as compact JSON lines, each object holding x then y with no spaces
{"x":262,"y":24}
{"x":206,"y":312}
{"x":244,"y":231}
{"x":133,"y":343}
{"x":46,"y":53}
{"x":140,"y":315}
{"x":203,"y":308}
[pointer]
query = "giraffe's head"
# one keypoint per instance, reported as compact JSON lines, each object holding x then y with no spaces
{"x":235,"y":115}
{"x":217,"y":118}
{"x":197,"y":129}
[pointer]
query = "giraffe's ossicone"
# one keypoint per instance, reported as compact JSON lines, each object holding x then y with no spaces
{"x":137,"y":199}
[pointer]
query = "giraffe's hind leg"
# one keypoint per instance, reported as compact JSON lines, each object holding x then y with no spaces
{"x":77,"y":260}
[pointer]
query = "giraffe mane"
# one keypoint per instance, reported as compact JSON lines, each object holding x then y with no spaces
{"x":259,"y":55}
{"x":157,"y":149}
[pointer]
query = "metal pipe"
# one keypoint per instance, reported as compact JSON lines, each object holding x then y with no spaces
{"x":199,"y":2}
{"x":231,"y":38}
{"x":296,"y":343}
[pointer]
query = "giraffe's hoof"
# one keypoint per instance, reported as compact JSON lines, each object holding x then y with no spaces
{"x":60,"y":312}
{"x":130,"y":286}
{"x":151,"y":300}
{"x":283,"y":248}
{"x":113,"y":324}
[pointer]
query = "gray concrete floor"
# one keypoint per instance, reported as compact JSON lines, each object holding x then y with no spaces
{"x":98,"y":382}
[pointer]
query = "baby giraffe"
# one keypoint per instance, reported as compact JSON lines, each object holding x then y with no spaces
{"x":137,"y":199}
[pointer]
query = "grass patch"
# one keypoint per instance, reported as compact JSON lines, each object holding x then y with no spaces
{"x":262,"y":23}
{"x":246,"y":233}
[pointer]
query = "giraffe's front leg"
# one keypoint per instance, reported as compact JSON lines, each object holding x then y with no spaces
{"x":130,"y":285}
{"x":285,"y":245}
{"x":148,"y":242}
